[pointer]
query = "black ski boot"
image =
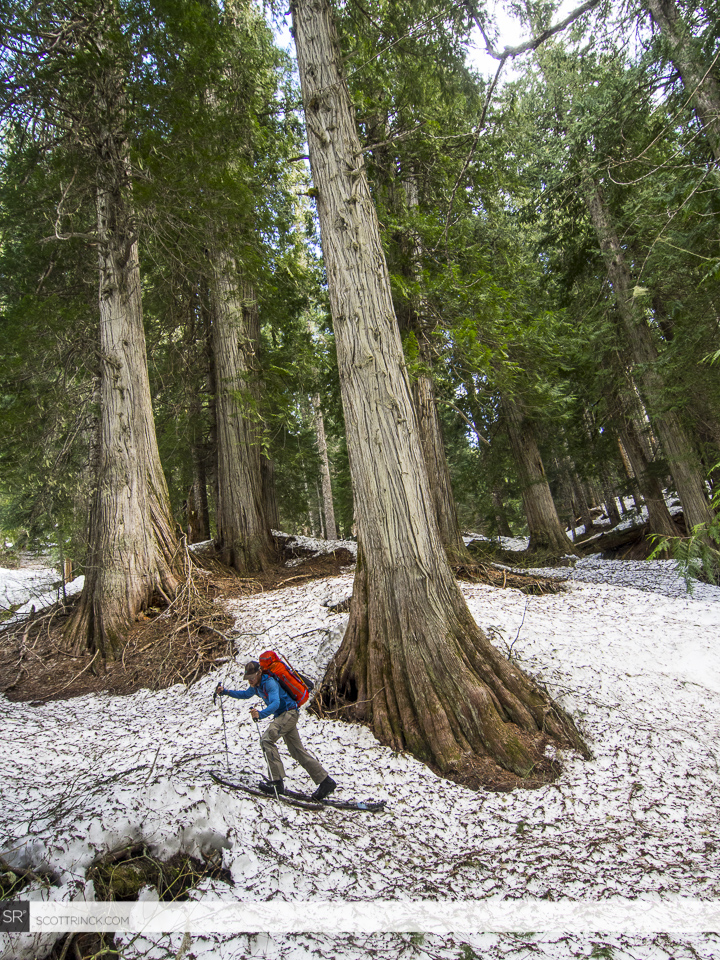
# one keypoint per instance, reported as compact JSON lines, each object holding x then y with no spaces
{"x":324,"y":789}
{"x":272,"y":787}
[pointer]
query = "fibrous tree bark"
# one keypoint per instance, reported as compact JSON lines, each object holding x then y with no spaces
{"x":413,"y":663}
{"x":681,"y":455}
{"x":267,"y":469}
{"x":243,"y":532}
{"x":133,"y":541}
{"x":546,"y":531}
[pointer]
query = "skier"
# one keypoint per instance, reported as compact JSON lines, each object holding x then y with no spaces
{"x":284,"y":711}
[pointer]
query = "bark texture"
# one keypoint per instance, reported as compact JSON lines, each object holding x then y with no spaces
{"x":133,"y":541}
{"x":413,"y":663}
{"x":546,"y":531}
{"x":678,"y":448}
{"x":243,"y":532}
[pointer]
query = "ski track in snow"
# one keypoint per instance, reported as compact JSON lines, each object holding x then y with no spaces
{"x":639,"y":670}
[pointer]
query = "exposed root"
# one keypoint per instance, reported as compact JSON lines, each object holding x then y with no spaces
{"x":496,"y":576}
{"x":426,"y":679}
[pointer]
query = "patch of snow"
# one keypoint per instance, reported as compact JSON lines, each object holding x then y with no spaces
{"x":48,"y":599}
{"x":655,"y":576}
{"x":16,"y":586}
{"x":637,"y":665}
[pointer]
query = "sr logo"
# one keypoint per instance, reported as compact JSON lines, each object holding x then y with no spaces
{"x":14,"y":916}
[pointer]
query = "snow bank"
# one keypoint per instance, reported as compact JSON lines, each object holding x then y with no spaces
{"x":16,"y":586}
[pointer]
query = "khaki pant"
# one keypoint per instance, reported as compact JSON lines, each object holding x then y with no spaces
{"x":285,"y":726}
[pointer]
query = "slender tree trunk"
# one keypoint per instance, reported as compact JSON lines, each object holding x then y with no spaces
{"x":433,"y":448}
{"x":699,"y":80}
{"x":681,"y":456}
{"x":426,"y":409}
{"x":611,"y":507}
{"x":320,"y":515}
{"x":659,"y":520}
{"x":133,"y":540}
{"x":327,"y":500}
{"x":635,"y":495}
{"x":501,"y":520}
{"x":198,"y":514}
{"x":546,"y":531}
{"x":413,"y":662}
{"x":243,"y":531}
{"x":580,"y":500}
{"x":267,"y":467}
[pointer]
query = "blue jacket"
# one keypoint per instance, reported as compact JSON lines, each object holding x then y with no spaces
{"x":278,"y":700}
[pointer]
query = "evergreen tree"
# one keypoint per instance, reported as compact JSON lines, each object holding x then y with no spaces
{"x":413,"y":662}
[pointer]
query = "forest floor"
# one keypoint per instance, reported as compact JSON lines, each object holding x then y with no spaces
{"x":624,"y":648}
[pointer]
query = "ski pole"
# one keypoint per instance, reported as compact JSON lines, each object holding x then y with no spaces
{"x":267,"y":762}
{"x":222,"y":714}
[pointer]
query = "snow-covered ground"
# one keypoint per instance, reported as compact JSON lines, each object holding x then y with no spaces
{"x":639,"y":669}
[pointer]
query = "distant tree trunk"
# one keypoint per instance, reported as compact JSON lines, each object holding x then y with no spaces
{"x":546,"y":531}
{"x":581,"y":506}
{"x":659,"y":520}
{"x":198,"y":514}
{"x":681,"y":456}
{"x":433,"y":448}
{"x":327,"y":500}
{"x":701,"y":84}
{"x":267,"y":468}
{"x":611,"y":507}
{"x":133,"y":540}
{"x":501,"y":520}
{"x":243,"y":531}
{"x":321,"y":518}
{"x":417,"y":321}
{"x":413,"y":662}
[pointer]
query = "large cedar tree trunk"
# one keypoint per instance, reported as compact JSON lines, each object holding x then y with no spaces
{"x":243,"y":531}
{"x":678,"y":447}
{"x":413,"y":663}
{"x":133,"y":541}
{"x":546,"y":531}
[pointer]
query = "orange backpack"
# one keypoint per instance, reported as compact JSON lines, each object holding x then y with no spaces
{"x":294,"y":683}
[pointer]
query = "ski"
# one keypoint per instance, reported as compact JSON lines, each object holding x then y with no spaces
{"x":302,"y":800}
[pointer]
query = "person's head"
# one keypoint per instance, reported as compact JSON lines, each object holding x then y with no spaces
{"x":253,"y":673}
